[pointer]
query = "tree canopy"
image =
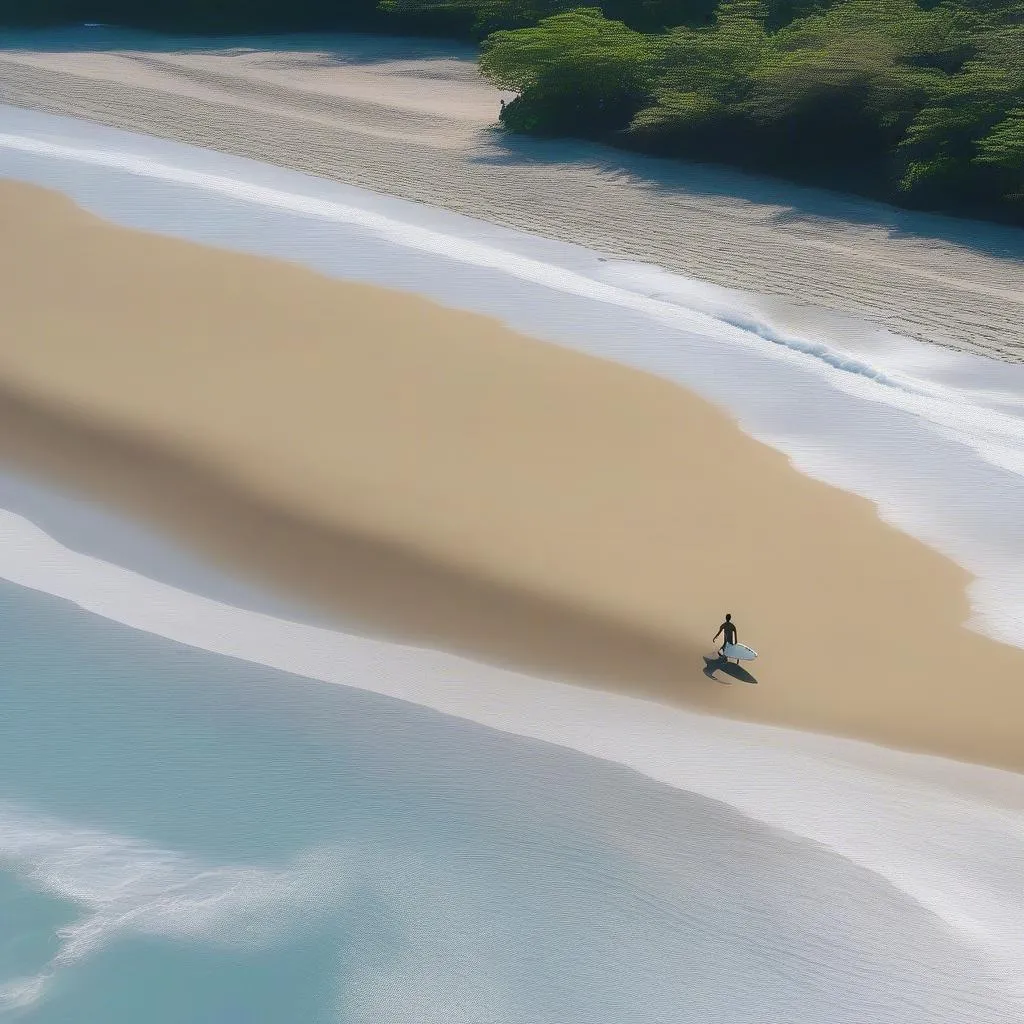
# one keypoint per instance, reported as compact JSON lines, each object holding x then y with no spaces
{"x":922,"y":105}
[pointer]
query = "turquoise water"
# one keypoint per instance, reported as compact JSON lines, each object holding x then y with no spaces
{"x":186,"y":837}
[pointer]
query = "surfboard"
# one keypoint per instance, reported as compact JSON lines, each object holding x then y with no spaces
{"x":739,"y":651}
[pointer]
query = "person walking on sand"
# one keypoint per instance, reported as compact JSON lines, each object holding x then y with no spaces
{"x":727,"y":630}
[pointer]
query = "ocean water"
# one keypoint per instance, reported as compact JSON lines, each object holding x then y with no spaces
{"x":188,"y":837}
{"x":215,"y":809}
{"x":194,"y":827}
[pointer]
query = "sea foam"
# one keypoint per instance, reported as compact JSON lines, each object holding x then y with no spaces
{"x":120,"y":886}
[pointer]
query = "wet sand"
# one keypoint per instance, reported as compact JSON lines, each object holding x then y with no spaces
{"x":431,"y":476}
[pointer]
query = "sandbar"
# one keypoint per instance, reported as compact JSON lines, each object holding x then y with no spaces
{"x":431,"y":476}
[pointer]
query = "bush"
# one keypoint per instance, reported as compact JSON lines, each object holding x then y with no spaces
{"x":576,"y":73}
{"x":921,"y":106}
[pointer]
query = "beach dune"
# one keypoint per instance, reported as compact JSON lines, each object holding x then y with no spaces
{"x":432,"y":476}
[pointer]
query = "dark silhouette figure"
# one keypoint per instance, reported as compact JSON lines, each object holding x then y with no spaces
{"x":721,"y":663}
{"x":501,"y":114}
{"x":727,"y":630}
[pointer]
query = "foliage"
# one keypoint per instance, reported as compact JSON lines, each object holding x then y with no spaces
{"x":488,"y":16}
{"x":917,"y":101}
{"x":705,"y":77}
{"x":923,"y":106}
{"x":201,"y":15}
{"x":969,"y":143}
{"x":575,"y":73}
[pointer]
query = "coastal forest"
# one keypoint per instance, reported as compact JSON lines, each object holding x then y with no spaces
{"x":918,"y":102}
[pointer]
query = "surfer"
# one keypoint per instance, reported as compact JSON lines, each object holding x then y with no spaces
{"x":729,"y":633}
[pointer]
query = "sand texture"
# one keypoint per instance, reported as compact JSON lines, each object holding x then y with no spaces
{"x":414,"y":119}
{"x":430,"y":475}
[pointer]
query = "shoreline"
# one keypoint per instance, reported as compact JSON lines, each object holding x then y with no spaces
{"x":581,"y":556}
{"x":382,"y":113}
{"x":893,"y":805}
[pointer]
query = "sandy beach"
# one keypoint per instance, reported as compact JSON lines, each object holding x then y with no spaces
{"x":359,"y":561}
{"x":414,"y":119}
{"x":429,"y":475}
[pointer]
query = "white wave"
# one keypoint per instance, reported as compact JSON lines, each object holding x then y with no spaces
{"x":23,"y":992}
{"x":926,"y":831}
{"x":123,"y":886}
{"x":439,"y":962}
{"x":960,"y":412}
{"x":741,"y":311}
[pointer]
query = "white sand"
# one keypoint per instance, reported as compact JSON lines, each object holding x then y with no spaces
{"x":413,"y":118}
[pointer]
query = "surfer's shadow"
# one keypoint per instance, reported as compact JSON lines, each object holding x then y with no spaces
{"x":728,"y":668}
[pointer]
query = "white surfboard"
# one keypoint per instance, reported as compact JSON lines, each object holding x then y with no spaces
{"x":739,"y":651}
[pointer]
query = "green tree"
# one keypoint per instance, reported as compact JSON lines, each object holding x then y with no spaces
{"x":833,"y":89}
{"x":576,"y":73}
{"x":845,"y":84}
{"x":478,"y":18}
{"x":487,"y":16}
{"x":967,"y":147}
{"x":704,"y":76}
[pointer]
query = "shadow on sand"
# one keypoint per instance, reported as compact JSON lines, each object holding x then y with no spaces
{"x":794,"y":201}
{"x":716,"y":663}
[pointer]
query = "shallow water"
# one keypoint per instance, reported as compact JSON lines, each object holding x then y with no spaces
{"x":187,"y":835}
{"x":190,"y":837}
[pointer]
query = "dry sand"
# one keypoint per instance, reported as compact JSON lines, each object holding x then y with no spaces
{"x":414,"y":119}
{"x":431,"y":475}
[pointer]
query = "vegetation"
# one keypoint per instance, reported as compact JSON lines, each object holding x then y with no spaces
{"x":917,"y":101}
{"x":220,"y":16}
{"x":922,"y":105}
